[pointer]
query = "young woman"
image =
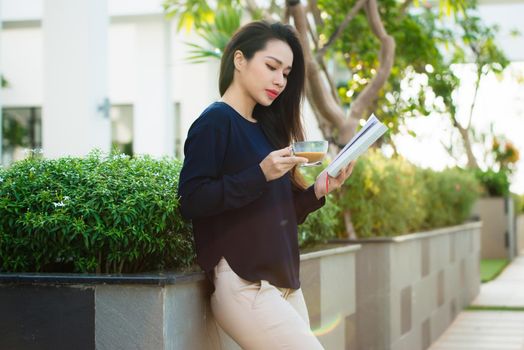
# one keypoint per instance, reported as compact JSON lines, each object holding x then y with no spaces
{"x":240,"y":187}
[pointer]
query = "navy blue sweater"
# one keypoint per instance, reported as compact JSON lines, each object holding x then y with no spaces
{"x":235,"y":212}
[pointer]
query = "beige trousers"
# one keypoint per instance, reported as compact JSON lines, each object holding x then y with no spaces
{"x":258,"y":315}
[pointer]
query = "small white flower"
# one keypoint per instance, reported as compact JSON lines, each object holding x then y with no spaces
{"x":1,"y":179}
{"x":66,"y":198}
{"x":59,"y":204}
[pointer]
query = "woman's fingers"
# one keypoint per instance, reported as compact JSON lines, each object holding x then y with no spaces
{"x":350,"y":167}
{"x":293,"y":160}
{"x":337,"y":182}
{"x":279,"y":162}
{"x":286,"y":151}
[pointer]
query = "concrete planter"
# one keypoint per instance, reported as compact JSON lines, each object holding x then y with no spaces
{"x":520,"y":234}
{"x":170,"y":311}
{"x":498,"y":230}
{"x":410,"y":288}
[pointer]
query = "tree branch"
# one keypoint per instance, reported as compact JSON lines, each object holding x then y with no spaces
{"x":286,"y":15}
{"x":386,"y":58}
{"x":321,"y":100}
{"x":313,"y":8}
{"x":320,"y":60}
{"x":332,"y":85}
{"x":352,"y":13}
{"x":313,"y":35}
{"x":404,"y":7}
{"x":253,"y":10}
{"x":477,"y":85}
{"x":464,"y":133}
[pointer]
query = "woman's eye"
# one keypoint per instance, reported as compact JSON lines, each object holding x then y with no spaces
{"x":270,"y":67}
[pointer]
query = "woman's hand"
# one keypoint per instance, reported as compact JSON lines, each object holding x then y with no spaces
{"x":279,"y":162}
{"x":334,"y":183}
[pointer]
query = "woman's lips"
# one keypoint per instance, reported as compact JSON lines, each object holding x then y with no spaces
{"x":272,"y":94}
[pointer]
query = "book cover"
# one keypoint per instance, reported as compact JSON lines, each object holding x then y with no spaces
{"x":367,"y":135}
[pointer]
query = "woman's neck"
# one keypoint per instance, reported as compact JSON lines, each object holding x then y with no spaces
{"x":240,"y":101}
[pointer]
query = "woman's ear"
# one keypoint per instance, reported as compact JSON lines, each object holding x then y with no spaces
{"x":238,"y":59}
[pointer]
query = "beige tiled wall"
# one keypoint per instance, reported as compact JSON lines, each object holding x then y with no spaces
{"x":328,"y":283}
{"x":410,"y":288}
{"x":520,"y":234}
{"x":178,"y":316}
{"x":492,"y":214}
{"x":399,"y":293}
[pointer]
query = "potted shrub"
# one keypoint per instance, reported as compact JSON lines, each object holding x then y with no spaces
{"x":94,"y":254}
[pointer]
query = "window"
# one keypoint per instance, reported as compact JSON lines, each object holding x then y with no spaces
{"x":21,"y":131}
{"x":122,"y":128}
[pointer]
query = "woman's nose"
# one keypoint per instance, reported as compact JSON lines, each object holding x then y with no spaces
{"x":279,"y":80}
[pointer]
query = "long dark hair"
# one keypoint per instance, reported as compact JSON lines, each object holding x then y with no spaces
{"x":281,"y":121}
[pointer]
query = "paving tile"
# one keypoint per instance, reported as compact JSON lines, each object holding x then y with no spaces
{"x":497,"y":330}
{"x":507,"y":289}
{"x":491,"y":330}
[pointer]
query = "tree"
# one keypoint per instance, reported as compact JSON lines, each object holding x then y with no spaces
{"x":359,"y":35}
{"x":470,"y":42}
{"x":359,"y":55}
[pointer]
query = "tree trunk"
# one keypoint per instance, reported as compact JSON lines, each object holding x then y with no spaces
{"x":464,"y":134}
{"x":359,"y":107}
{"x":472,"y":161}
{"x":328,"y":109}
{"x":317,"y":93}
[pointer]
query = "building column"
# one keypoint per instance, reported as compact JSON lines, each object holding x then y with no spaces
{"x":75,"y":113}
{"x":153,"y":121}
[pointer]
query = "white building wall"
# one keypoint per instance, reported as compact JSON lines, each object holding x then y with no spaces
{"x":197,"y":84}
{"x":22,"y":61}
{"x":153,"y":110}
{"x":122,"y":63}
{"x":74,"y":77}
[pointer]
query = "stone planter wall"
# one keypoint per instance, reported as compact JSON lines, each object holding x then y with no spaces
{"x":171,"y":311}
{"x":520,"y":234}
{"x":498,"y":236}
{"x":410,"y":288}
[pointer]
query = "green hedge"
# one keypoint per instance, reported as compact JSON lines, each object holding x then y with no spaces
{"x":389,"y":197}
{"x":494,"y":183}
{"x":96,"y":214}
{"x":450,"y":196}
{"x":119,"y":214}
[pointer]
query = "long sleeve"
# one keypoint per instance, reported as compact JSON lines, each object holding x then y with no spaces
{"x":203,"y":188}
{"x":306,"y":202}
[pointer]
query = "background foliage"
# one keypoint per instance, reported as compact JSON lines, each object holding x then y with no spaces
{"x":119,"y":214}
{"x":494,"y":183}
{"x":389,"y":197}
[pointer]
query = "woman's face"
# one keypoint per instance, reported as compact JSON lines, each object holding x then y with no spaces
{"x":264,"y":76}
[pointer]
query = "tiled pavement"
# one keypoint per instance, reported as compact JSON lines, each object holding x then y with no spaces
{"x":493,"y":330}
{"x":507,"y":289}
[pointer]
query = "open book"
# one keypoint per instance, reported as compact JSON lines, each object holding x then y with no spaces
{"x":366,"y":136}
